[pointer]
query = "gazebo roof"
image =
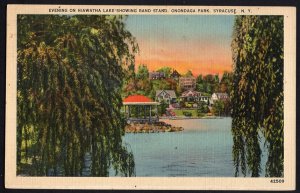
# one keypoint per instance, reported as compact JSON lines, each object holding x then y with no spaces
{"x":138,"y":100}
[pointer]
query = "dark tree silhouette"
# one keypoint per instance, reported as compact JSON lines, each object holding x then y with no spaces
{"x":70,"y":73}
{"x":257,"y":95}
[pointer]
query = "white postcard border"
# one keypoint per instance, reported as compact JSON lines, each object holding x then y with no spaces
{"x":170,"y":183}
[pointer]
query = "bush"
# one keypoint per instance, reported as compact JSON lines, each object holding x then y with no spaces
{"x":162,"y":107}
{"x":188,"y":105}
{"x":202,"y":107}
{"x":200,"y":114}
{"x":187,"y":114}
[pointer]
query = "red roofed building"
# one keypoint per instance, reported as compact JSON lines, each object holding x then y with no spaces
{"x":137,"y":99}
{"x":142,"y":107}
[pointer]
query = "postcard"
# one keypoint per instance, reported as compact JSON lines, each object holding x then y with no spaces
{"x":150,"y":97}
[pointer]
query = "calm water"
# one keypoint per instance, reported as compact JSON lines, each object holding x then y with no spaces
{"x":202,"y":149}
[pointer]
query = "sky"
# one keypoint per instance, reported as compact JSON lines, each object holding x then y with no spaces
{"x":199,"y":43}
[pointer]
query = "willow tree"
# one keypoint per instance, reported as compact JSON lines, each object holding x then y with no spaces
{"x":70,"y":74}
{"x":257,"y":96}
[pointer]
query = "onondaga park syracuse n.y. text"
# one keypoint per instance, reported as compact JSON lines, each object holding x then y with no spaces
{"x":151,"y":10}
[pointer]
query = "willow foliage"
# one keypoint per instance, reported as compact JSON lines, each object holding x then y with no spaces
{"x":257,"y":96}
{"x":70,"y":74}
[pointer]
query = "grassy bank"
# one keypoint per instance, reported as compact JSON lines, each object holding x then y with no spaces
{"x":181,"y":112}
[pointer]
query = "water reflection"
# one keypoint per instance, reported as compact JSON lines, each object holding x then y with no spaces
{"x":204,"y":148}
{"x":98,"y":160}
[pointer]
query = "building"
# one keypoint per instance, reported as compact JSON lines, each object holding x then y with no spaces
{"x":156,"y":75}
{"x":168,"y":96}
{"x":138,"y":109}
{"x":190,"y":96}
{"x":204,"y":98}
{"x":175,"y":75}
{"x":194,"y":96}
{"x":187,"y":83}
{"x":219,"y":96}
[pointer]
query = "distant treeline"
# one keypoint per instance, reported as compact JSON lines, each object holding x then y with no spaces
{"x":138,"y":82}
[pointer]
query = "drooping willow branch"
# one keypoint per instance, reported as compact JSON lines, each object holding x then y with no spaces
{"x":69,"y":84}
{"x":257,"y":96}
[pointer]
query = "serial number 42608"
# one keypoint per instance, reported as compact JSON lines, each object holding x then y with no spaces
{"x":277,"y":181}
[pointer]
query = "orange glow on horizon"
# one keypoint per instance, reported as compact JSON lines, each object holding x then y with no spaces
{"x":199,"y":57}
{"x":182,"y":67}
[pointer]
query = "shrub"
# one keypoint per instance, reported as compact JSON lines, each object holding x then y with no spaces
{"x":187,"y":114}
{"x":200,"y":114}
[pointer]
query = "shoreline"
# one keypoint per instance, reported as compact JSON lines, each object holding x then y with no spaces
{"x":170,"y":125}
{"x":195,"y":124}
{"x":186,"y":118}
{"x":151,"y":128}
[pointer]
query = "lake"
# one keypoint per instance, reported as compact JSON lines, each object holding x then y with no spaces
{"x":204,"y":148}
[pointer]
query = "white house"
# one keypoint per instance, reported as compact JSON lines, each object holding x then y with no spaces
{"x":190,"y":96}
{"x":204,"y":98}
{"x":219,"y":96}
{"x":194,"y":96}
{"x":168,"y":96}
